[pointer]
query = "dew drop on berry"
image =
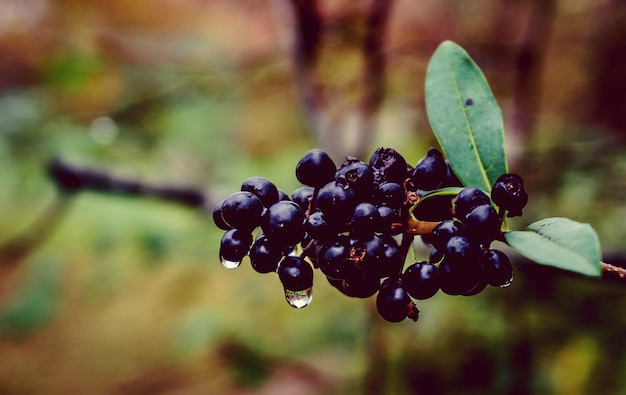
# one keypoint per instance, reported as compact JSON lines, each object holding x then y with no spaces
{"x":228,"y":264}
{"x":507,"y":283}
{"x":299,"y":299}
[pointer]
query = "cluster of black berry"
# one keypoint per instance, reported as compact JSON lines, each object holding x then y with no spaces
{"x":357,"y":222}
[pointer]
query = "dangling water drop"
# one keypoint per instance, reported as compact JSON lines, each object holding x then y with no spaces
{"x":299,"y":299}
{"x":228,"y":264}
{"x":507,"y":283}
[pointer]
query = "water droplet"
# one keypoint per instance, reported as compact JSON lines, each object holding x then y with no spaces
{"x":508,"y":283}
{"x":299,"y":299}
{"x":228,"y":264}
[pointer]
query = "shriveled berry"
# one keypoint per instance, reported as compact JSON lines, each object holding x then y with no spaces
{"x":356,"y":175}
{"x":315,"y":169}
{"x":509,"y":194}
{"x":388,"y":165}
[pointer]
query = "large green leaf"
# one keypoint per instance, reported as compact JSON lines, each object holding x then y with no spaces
{"x":465,"y":117}
{"x":559,"y":242}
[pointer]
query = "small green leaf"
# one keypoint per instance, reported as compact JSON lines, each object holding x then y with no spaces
{"x":465,"y":117}
{"x":559,"y":242}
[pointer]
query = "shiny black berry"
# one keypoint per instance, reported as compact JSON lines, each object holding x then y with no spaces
{"x":263,"y":188}
{"x":315,"y":169}
{"x":467,"y":199}
{"x":393,"y":301}
{"x":264,"y":256}
{"x":283,"y":223}
{"x":365,"y":219}
{"x":390,"y":194}
{"x":482,"y":223}
{"x":217,"y":218}
{"x":234,"y":245}
{"x":430,"y":171}
{"x":336,"y":202}
{"x":421,"y":280}
{"x":443,"y":231}
{"x":302,"y":197}
{"x":295,"y":273}
{"x":497,"y":268}
{"x":334,"y":259}
{"x":242,"y":210}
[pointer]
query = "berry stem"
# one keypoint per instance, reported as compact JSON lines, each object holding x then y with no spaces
{"x":417,"y":227}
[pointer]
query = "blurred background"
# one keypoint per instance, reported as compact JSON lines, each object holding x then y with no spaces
{"x":106,"y":294}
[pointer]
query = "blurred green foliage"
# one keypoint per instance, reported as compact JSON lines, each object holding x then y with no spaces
{"x":126,"y":295}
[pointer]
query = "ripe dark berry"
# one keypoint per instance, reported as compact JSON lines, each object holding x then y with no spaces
{"x":295,"y":273}
{"x":393,"y":302}
{"x":388,"y":217}
{"x":217,"y":218}
{"x":302,"y":197}
{"x":392,"y":260}
{"x":390,"y":194}
{"x":234,"y":246}
{"x":467,"y":199}
{"x":315,"y":169}
{"x":264,"y":256}
{"x":421,"y":280}
{"x":458,"y":279}
{"x":482,"y":223}
{"x":497,"y":268}
{"x":430,"y":171}
{"x":509,"y":194}
{"x":365,"y":219}
{"x":360,"y":284}
{"x":443,"y":231}
{"x":318,"y":228}
{"x":242,"y":210}
{"x":333,"y":259}
{"x":389,"y":166}
{"x":263,"y":188}
{"x":336,"y":202}
{"x":462,"y":250}
{"x":283,"y":223}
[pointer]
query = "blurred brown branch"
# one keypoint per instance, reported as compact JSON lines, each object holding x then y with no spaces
{"x":307,"y":29}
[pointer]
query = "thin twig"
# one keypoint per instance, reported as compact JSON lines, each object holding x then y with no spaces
{"x":612,"y":271}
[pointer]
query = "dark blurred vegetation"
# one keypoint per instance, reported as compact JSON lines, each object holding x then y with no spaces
{"x":126,"y":295}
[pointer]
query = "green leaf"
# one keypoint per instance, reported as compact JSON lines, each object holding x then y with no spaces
{"x":559,"y":242}
{"x":465,"y":117}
